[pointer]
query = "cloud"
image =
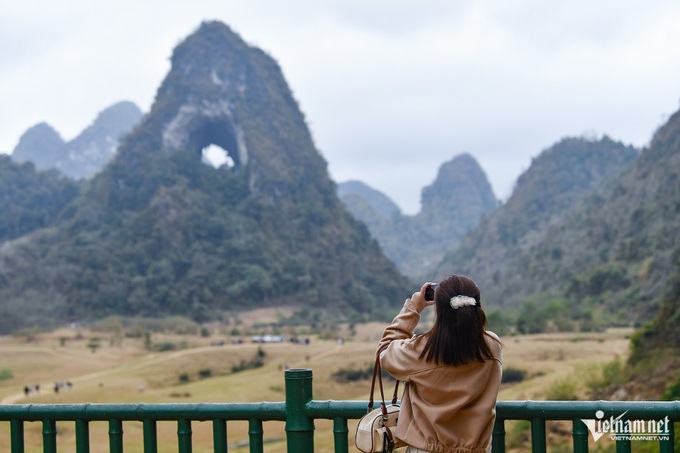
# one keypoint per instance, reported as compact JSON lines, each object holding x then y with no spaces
{"x":390,"y":89}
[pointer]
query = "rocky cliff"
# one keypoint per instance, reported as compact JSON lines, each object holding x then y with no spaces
{"x":157,"y":232}
{"x":458,"y":198}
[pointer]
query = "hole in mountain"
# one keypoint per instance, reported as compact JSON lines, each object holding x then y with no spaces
{"x":215,"y":142}
{"x":216,"y":156}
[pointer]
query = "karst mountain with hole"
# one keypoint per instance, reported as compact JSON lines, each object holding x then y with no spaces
{"x":160,"y":232}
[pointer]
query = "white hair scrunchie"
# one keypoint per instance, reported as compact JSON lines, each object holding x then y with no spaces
{"x":462,"y":301}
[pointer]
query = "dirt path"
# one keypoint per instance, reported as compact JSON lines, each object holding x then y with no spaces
{"x":146,"y":361}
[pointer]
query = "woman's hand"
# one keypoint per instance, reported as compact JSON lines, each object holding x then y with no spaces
{"x":418,"y":298}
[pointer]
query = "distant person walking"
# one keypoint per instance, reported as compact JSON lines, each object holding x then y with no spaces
{"x":452,"y":372}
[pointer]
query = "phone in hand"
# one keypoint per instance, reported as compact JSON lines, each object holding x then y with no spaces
{"x":429,"y":292}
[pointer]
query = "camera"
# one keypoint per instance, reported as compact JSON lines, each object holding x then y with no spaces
{"x":429,"y":292}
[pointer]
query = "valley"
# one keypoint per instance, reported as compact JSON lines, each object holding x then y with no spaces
{"x":201,"y":369}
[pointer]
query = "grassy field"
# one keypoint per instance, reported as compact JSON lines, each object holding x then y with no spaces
{"x":125,"y":370}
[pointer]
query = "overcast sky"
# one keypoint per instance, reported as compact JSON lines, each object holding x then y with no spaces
{"x":391,"y":89}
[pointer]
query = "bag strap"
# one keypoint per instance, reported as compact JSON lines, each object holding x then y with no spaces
{"x":388,"y":440}
{"x":377,"y":372}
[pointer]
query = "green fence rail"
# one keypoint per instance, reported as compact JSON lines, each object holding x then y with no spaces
{"x":623,"y":420}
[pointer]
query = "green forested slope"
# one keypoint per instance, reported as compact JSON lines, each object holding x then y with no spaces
{"x":620,"y":246}
{"x":30,"y":200}
{"x":159,"y":233}
{"x":523,"y":254}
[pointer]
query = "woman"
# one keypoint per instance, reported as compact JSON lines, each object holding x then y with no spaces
{"x":452,"y":372}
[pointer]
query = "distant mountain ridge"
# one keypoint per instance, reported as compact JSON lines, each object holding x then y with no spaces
{"x":360,"y":193}
{"x":534,"y":247}
{"x":457,"y":199}
{"x":86,"y":154}
{"x":159,"y":233}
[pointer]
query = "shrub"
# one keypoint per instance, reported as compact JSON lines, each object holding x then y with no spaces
{"x":94,"y":344}
{"x":180,"y":325}
{"x":5,"y":373}
{"x":108,"y":324}
{"x":614,"y":373}
{"x":518,"y":434}
{"x":511,"y":375}
{"x":498,"y":322}
{"x":256,"y":362}
{"x":564,"y":389}
{"x":606,"y":375}
{"x":672,"y":392}
{"x":541,"y":314}
{"x":168,"y":346}
{"x":346,"y":375}
{"x":165,"y":346}
{"x":249,"y":365}
{"x":29,"y":334}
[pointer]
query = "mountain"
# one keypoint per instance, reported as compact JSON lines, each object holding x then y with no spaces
{"x":458,"y":198}
{"x":157,"y":232}
{"x":637,"y":270}
{"x":30,"y":200}
{"x":41,"y":145}
{"x":538,"y":248}
{"x":86,"y":154}
{"x":364,"y":201}
{"x":455,"y":202}
{"x":623,"y":246}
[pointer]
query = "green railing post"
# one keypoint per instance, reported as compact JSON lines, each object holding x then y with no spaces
{"x":668,"y":445}
{"x":538,"y":440}
{"x":340,"y":431}
{"x":299,"y":427}
{"x":150,"y":435}
{"x":255,"y":435}
{"x":623,"y":446}
{"x":498,"y":436}
{"x":115,"y":435}
{"x":49,"y":433}
{"x":184,"y":435}
{"x":82,"y":436}
{"x":580,"y":435}
{"x":220,"y":436}
{"x":17,"y":435}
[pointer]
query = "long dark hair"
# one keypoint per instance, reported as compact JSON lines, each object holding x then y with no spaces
{"x":458,"y":335}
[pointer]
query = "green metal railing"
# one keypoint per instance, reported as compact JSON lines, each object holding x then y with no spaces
{"x":627,"y":417}
{"x":300,"y":410}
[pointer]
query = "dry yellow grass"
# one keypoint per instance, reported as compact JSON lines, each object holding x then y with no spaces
{"x":117,"y":369}
{"x":553,"y":356}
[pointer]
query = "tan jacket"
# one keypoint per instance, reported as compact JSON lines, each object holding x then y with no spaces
{"x":444,"y":409}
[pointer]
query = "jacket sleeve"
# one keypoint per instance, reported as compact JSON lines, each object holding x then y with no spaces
{"x":402,"y":326}
{"x":395,"y":347}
